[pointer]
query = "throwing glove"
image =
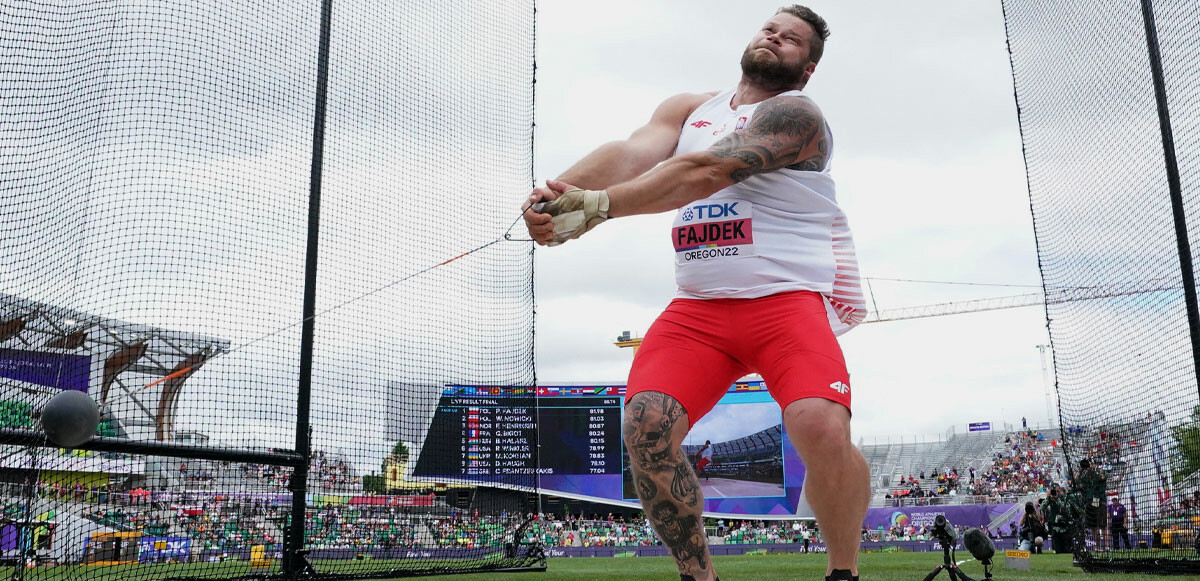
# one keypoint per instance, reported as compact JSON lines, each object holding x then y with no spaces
{"x":575,"y":212}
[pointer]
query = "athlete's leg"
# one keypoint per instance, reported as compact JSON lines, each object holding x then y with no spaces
{"x":678,"y":375}
{"x":654,"y":428}
{"x":836,"y":477}
{"x":793,"y":346}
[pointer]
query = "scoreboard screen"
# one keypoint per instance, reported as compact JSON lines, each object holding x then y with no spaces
{"x":568,"y":437}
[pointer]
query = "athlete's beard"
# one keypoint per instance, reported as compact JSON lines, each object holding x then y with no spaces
{"x":770,"y":73}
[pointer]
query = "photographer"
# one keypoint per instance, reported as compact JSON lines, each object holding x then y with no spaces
{"x":1033,"y":530}
{"x":1093,"y":486}
{"x":1059,"y":519}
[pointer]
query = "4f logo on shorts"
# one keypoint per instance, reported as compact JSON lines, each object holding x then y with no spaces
{"x":840,"y":387}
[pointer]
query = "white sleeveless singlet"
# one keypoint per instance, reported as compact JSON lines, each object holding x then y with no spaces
{"x":773,"y":232}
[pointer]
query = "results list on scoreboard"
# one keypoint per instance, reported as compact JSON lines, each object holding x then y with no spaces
{"x":499,"y":431}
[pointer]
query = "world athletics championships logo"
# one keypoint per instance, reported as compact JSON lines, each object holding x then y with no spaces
{"x":899,"y":519}
{"x":687,"y":215}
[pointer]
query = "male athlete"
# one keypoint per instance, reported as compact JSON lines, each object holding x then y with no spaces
{"x":766,"y":274}
{"x":703,"y":459}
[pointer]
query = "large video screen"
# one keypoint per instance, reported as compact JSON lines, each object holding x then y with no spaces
{"x":570,"y":437}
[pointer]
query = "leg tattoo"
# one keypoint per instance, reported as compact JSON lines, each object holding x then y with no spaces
{"x":685,"y":487}
{"x":648,"y":430}
{"x":664,"y":480}
{"x":681,"y":533}
{"x":646,"y":487}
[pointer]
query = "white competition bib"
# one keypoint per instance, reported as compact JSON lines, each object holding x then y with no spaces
{"x":713,"y":230}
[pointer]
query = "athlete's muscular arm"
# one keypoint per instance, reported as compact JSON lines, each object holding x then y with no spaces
{"x":619,"y":161}
{"x":786,"y":132}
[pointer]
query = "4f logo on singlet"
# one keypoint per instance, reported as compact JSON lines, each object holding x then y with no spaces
{"x":707,"y":230}
{"x":741,"y":124}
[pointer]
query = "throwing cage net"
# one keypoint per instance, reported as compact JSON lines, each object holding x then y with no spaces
{"x":261,"y":237}
{"x":1107,"y":93}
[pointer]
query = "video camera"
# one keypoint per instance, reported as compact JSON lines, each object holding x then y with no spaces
{"x":944,"y":532}
{"x":975,"y":540}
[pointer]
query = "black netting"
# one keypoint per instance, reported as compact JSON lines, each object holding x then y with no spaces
{"x":1111,"y":263}
{"x":157,"y":170}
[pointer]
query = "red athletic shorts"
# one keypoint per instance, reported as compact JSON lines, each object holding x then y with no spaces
{"x":697,"y":348}
{"x":702,"y":463}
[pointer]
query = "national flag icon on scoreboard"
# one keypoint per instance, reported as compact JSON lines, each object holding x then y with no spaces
{"x":475,"y":463}
{"x":472,"y":433}
{"x":472,"y":456}
{"x":472,"y":448}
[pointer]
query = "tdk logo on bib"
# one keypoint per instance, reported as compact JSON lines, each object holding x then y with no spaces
{"x":706,"y":230}
{"x":710,"y":211}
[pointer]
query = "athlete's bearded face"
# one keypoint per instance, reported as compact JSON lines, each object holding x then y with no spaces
{"x":777,"y":57}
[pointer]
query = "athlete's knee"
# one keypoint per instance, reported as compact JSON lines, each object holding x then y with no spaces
{"x":818,"y":425}
{"x":653,"y":429}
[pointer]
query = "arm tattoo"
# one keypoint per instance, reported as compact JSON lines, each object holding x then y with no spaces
{"x":782,"y":129}
{"x":816,"y":162}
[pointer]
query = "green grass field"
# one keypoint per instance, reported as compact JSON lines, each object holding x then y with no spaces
{"x":874,"y":567}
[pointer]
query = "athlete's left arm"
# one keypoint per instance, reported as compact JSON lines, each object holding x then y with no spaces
{"x":786,"y":132}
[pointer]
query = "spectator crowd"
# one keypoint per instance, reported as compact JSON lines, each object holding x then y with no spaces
{"x":1028,"y":464}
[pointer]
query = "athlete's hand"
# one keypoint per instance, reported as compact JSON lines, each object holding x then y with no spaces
{"x":539,"y":224}
{"x":564,"y":212}
{"x":574,"y":212}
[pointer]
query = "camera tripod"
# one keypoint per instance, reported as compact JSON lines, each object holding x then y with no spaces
{"x":948,"y":565}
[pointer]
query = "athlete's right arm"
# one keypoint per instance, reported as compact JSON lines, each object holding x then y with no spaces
{"x":654,"y":142}
{"x":620,"y":161}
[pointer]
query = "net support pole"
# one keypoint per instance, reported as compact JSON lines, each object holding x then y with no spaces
{"x":295,"y":563}
{"x":1173,"y":182}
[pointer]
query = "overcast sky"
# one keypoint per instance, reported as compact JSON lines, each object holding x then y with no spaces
{"x":927,"y":159}
{"x":929,"y":170}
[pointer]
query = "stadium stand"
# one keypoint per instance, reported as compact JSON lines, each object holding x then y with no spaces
{"x":974,"y":468}
{"x":230,"y":520}
{"x":225,"y":506}
{"x":329,"y":472}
